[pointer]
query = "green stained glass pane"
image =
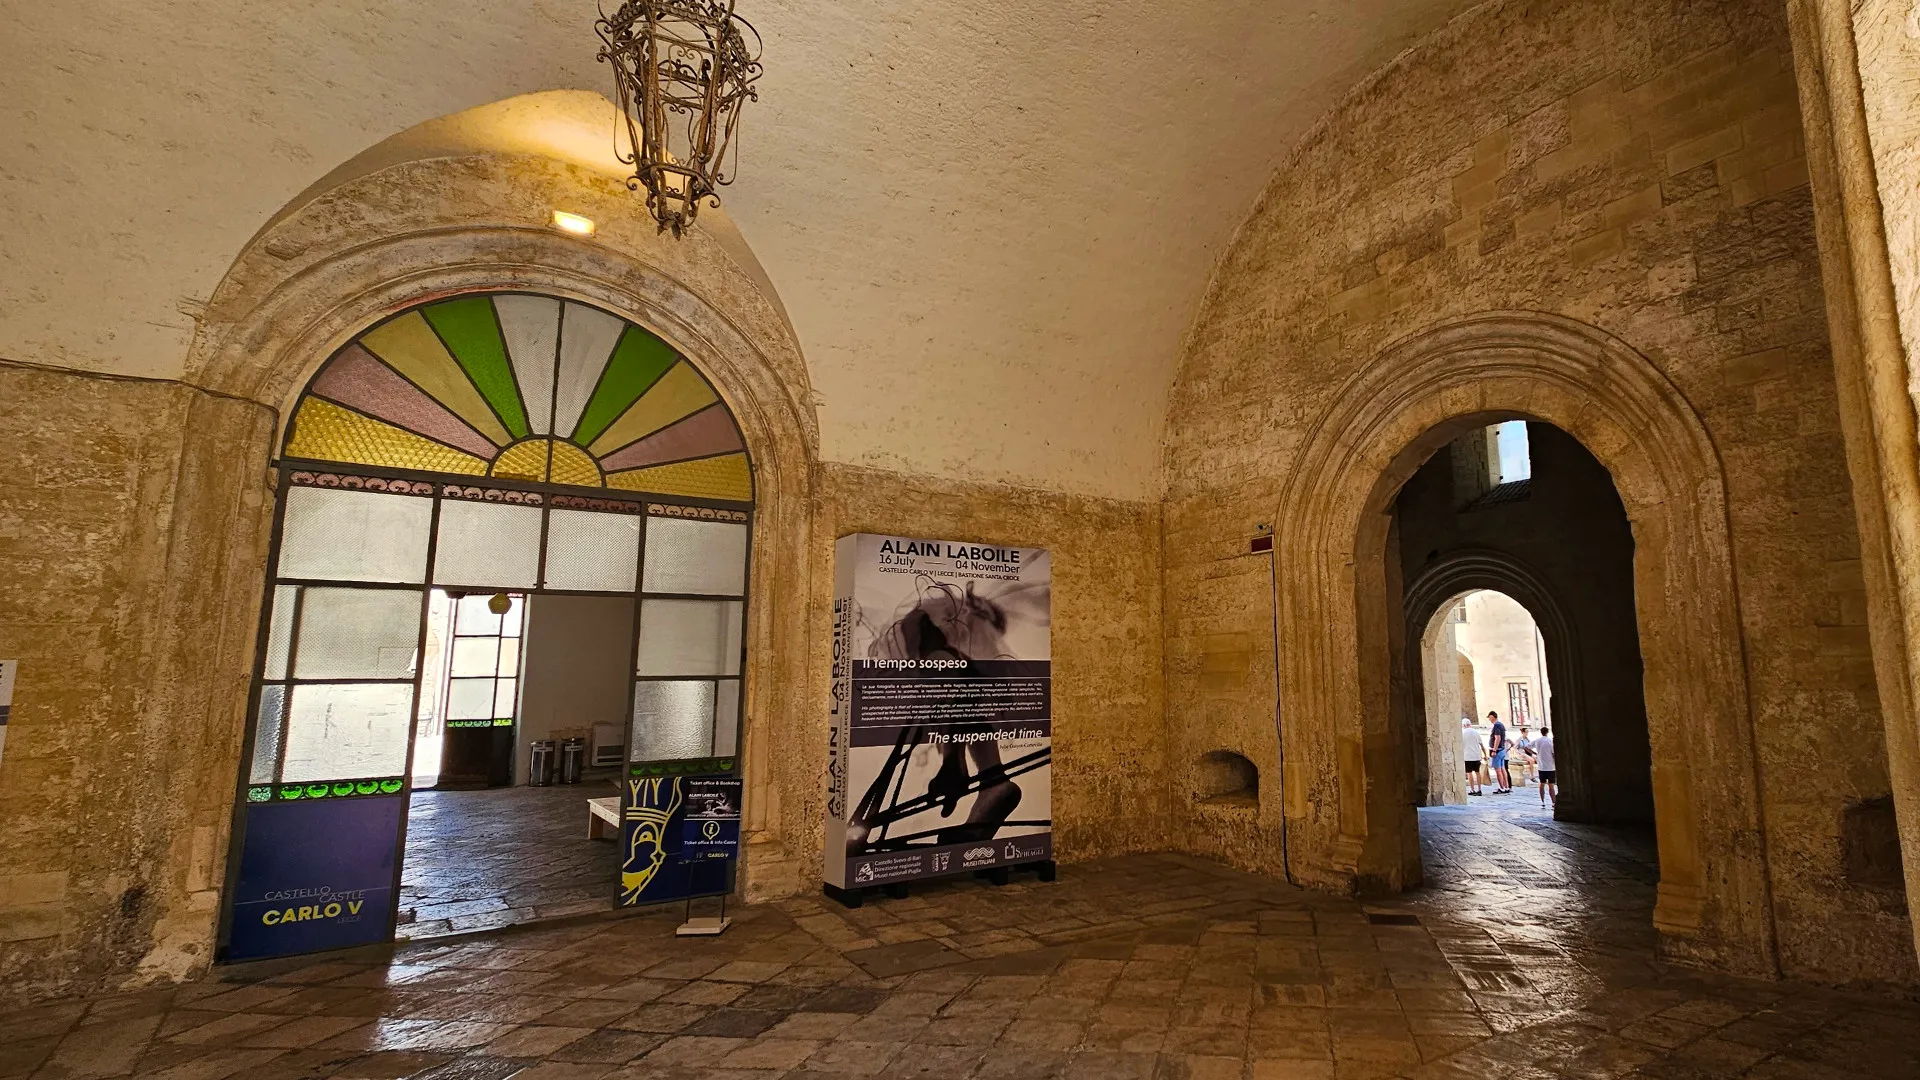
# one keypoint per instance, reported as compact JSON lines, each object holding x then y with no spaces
{"x":472,"y":334}
{"x":637,"y":363}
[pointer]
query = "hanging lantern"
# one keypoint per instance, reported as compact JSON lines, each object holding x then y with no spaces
{"x":682,"y":69}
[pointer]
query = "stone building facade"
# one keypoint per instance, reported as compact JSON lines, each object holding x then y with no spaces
{"x":1597,"y":216}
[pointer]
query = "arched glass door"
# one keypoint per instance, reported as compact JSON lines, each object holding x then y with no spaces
{"x":483,"y":449}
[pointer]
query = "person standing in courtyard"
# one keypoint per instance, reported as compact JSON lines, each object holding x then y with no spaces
{"x":1472,"y":752}
{"x":1543,"y":750}
{"x":1524,"y":745}
{"x":1498,"y":746}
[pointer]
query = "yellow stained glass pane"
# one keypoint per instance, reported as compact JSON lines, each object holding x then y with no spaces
{"x":522,"y":461}
{"x":680,"y":393}
{"x":726,"y":477}
{"x":528,"y":461}
{"x":410,"y":347}
{"x":323,"y":431}
{"x":572,"y":465}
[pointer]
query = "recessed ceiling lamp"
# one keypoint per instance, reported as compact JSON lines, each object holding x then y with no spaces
{"x":682,"y":68}
{"x":573,"y":223}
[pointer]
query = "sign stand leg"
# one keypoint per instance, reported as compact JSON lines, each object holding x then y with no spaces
{"x":704,"y":926}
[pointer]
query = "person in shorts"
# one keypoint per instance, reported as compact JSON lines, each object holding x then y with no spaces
{"x":1472,"y":753}
{"x":1498,"y":746}
{"x":1543,"y":751}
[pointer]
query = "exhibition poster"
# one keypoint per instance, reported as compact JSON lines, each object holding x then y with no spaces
{"x":940,"y":757}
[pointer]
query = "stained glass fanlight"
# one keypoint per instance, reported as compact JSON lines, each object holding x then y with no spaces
{"x":522,"y":387}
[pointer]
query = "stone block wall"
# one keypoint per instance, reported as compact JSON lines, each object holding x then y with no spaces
{"x":1634,"y":165}
{"x":113,"y":803}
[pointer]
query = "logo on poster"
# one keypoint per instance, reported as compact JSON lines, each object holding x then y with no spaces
{"x":940,"y":861}
{"x":977,"y":855}
{"x":865,"y":873}
{"x":1015,"y":851}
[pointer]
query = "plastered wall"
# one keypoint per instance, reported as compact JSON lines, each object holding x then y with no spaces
{"x":1635,"y":166}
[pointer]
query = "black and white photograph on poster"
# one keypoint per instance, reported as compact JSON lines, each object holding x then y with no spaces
{"x":942,"y":752}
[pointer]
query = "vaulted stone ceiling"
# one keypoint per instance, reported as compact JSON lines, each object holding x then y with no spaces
{"x":991,"y":223}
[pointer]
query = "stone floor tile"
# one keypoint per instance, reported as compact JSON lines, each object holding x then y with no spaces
{"x":845,"y":1057}
{"x":535,"y":1040}
{"x":1288,"y":1069}
{"x":300,"y":1033}
{"x":1111,"y":1065}
{"x":608,"y":1045}
{"x":920,"y":1061}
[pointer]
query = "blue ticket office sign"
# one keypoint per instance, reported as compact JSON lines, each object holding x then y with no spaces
{"x":315,"y":875}
{"x":657,"y":863}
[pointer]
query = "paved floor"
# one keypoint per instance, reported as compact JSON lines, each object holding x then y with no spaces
{"x":1530,"y":960}
{"x":479,"y":860}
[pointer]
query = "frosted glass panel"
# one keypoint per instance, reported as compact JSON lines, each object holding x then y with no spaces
{"x":704,"y":557}
{"x":689,"y":637}
{"x":355,"y":536}
{"x":592,"y":552}
{"x":357,"y":634}
{"x":280,"y":631}
{"x":672,"y":720}
{"x":504,"y":698}
{"x":473,"y":616}
{"x":347,"y":732}
{"x":509,"y":656}
{"x":475,"y":656}
{"x":267,"y":734}
{"x":726,"y":719}
{"x":496,"y":545}
{"x":470,"y":699}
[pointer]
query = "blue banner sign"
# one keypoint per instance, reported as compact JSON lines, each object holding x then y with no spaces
{"x":315,"y":876}
{"x":656,"y":865}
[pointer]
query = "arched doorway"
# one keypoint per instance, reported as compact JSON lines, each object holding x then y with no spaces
{"x":1559,"y":543}
{"x":462,"y":486}
{"x":1350,"y":823}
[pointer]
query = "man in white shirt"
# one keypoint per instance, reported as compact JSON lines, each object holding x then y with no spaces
{"x":1543,"y":749}
{"x":1472,"y":752}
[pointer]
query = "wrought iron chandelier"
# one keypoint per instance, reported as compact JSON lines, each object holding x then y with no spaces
{"x":682,"y":68}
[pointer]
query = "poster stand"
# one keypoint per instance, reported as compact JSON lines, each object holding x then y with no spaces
{"x":705,"y":925}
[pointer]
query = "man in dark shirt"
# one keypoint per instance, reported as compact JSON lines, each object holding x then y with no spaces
{"x":1497,"y":746}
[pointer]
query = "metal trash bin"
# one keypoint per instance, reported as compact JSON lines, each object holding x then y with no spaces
{"x":573,"y":759}
{"x":540,"y":764}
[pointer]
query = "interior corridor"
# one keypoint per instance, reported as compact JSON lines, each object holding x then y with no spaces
{"x":478,"y":860}
{"x":1528,"y":956}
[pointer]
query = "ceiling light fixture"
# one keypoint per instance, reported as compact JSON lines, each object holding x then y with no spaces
{"x":573,"y":223}
{"x":682,"y":68}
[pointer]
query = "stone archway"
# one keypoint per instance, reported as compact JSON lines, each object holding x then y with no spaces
{"x":1463,"y":572}
{"x":378,"y":244}
{"x":1352,"y":829}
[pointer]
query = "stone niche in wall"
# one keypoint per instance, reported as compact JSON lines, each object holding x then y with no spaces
{"x":1223,"y":778}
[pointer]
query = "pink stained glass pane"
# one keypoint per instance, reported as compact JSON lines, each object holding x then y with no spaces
{"x":359,"y":381}
{"x":706,"y":433}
